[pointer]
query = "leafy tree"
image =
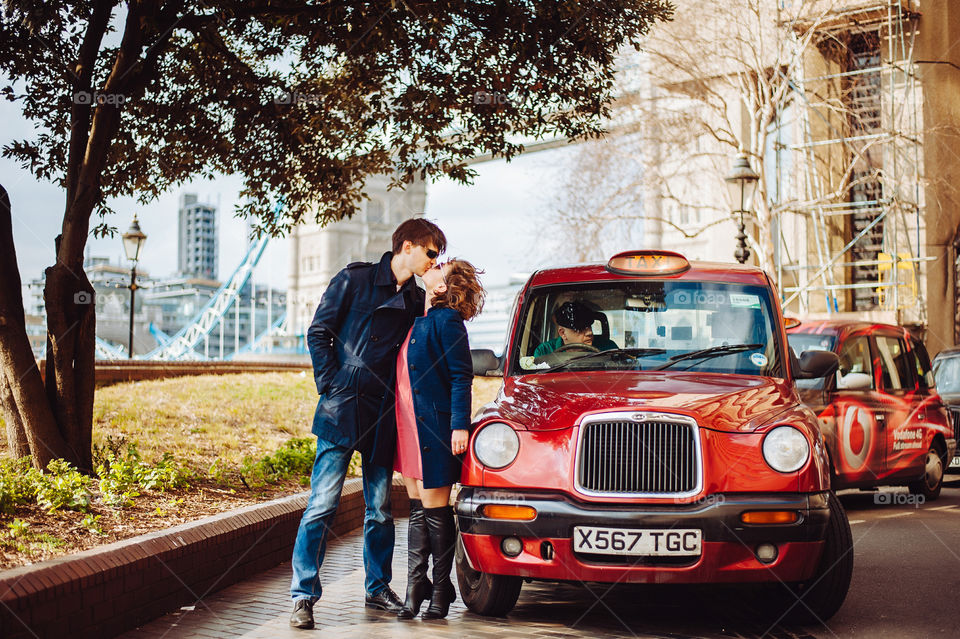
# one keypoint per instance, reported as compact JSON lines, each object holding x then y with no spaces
{"x":302,"y":98}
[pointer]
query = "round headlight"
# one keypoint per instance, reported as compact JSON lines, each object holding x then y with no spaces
{"x":785,"y":449}
{"x":496,"y":445}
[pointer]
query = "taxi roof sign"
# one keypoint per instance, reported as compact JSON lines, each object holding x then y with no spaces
{"x":648,"y":262}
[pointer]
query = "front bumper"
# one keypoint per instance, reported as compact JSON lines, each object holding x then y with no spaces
{"x":728,"y":545}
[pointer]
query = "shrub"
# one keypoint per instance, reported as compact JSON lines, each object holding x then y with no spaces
{"x":17,"y":484}
{"x":122,"y":476}
{"x":295,"y":457}
{"x":63,"y":486}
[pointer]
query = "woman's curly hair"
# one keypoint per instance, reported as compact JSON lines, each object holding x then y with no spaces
{"x":464,"y":292}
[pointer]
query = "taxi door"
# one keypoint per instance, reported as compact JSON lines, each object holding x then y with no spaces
{"x":904,"y":445}
{"x":858,"y":419}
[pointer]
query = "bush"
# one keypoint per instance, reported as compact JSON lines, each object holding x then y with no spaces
{"x":63,"y":486}
{"x":122,"y":476}
{"x":17,"y":484}
{"x":295,"y":457}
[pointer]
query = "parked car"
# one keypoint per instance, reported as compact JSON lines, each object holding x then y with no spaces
{"x":946,"y":372}
{"x":670,"y":448}
{"x":883,"y":421}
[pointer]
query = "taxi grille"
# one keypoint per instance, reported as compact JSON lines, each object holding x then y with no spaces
{"x":655,"y":457}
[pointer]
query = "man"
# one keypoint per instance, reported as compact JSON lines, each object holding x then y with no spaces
{"x":363,"y":318}
{"x":574,"y":321}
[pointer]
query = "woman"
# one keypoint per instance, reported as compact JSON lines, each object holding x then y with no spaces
{"x":434,"y":377}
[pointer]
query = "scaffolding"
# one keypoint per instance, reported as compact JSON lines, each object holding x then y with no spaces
{"x":874,"y":199}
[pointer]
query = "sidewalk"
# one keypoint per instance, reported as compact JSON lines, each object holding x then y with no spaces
{"x":260,"y":608}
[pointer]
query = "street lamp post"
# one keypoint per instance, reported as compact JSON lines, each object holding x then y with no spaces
{"x":741,"y":184}
{"x":133,"y":241}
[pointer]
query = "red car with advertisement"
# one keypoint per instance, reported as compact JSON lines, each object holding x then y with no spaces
{"x":881,"y":417}
{"x":649,"y":430}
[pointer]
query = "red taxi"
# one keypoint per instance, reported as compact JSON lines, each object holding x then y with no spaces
{"x":882,"y":419}
{"x":663,"y":443}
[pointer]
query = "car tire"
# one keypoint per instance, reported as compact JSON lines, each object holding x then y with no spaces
{"x":932,"y":481}
{"x":485,"y":594}
{"x":820,"y":597}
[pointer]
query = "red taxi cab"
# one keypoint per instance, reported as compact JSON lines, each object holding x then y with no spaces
{"x":881,"y":417}
{"x":663,"y":443}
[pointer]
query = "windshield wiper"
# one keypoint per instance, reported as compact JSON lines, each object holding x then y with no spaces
{"x":633,"y":352}
{"x":706,"y":353}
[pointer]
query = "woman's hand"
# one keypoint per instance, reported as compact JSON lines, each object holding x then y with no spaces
{"x":458,"y":441}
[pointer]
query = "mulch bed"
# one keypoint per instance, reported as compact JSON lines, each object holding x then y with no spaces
{"x":52,"y":534}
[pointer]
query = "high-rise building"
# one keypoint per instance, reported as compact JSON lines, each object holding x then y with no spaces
{"x":197,"y":250}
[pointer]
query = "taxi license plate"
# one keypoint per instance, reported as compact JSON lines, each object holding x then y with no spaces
{"x":637,"y":542}
{"x":955,"y":462}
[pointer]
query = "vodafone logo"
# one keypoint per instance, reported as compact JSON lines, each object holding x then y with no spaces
{"x":856,"y":436}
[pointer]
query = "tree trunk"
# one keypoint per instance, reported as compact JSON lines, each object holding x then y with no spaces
{"x":21,"y":391}
{"x":71,"y":349}
{"x":16,"y":435}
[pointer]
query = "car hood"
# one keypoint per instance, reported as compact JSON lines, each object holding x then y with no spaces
{"x":721,"y":402}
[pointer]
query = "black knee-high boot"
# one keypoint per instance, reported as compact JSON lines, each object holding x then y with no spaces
{"x":418,"y":553}
{"x":443,"y":538}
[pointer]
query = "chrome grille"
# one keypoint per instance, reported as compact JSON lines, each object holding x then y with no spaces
{"x":649,"y":457}
{"x":955,"y":416}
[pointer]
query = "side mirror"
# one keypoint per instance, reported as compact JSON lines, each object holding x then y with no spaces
{"x":485,"y":363}
{"x":815,"y":364}
{"x":854,"y":381}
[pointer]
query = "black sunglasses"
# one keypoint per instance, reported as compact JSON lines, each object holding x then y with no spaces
{"x":431,"y":253}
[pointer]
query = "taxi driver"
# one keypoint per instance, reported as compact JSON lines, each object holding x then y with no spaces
{"x":574,"y":321}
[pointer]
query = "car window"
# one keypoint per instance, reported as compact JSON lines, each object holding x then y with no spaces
{"x":922,"y":362}
{"x":855,"y":358}
{"x":800,"y":342}
{"x":656,"y":323}
{"x":894,"y":365}
{"x":947,"y":373}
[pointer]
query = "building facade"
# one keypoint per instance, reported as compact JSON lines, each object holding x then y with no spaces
{"x":848,"y":112}
{"x":317,"y":252}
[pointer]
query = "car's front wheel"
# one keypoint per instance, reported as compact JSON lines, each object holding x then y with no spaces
{"x":932,"y":481}
{"x":485,"y":594}
{"x":820,"y":597}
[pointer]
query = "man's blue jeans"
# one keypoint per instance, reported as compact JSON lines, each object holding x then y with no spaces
{"x":326,"y":482}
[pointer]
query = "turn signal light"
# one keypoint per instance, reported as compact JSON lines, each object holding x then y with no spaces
{"x":500,"y":511}
{"x":770,"y":517}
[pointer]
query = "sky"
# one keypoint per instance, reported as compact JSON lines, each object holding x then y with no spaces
{"x":495,"y":223}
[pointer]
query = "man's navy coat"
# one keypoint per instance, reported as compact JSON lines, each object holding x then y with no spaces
{"x":441,"y":376}
{"x":354,"y":339}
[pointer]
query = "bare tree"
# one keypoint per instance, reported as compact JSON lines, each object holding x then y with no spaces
{"x":721,"y":78}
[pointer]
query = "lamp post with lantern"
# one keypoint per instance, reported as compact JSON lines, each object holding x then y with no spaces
{"x":742,"y":184}
{"x":133,"y":241}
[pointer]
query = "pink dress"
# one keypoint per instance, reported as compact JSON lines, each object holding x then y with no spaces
{"x":407,"y":459}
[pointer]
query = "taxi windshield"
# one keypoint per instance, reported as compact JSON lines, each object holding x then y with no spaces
{"x":946,"y":371}
{"x":667,"y":325}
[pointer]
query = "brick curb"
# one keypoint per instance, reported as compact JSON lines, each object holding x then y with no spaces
{"x":104,"y":591}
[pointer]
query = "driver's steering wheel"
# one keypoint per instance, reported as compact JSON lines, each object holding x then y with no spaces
{"x":585,"y":348}
{"x":556,"y":356}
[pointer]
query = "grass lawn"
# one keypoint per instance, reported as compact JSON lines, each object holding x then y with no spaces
{"x":216,"y":426}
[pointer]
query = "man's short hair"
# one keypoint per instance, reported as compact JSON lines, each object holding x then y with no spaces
{"x":420,"y":232}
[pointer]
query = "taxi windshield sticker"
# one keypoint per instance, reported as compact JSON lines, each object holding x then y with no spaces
{"x":759,"y":360}
{"x":743,"y":300}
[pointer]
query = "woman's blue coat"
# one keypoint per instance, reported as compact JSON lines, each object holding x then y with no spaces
{"x":441,"y":376}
